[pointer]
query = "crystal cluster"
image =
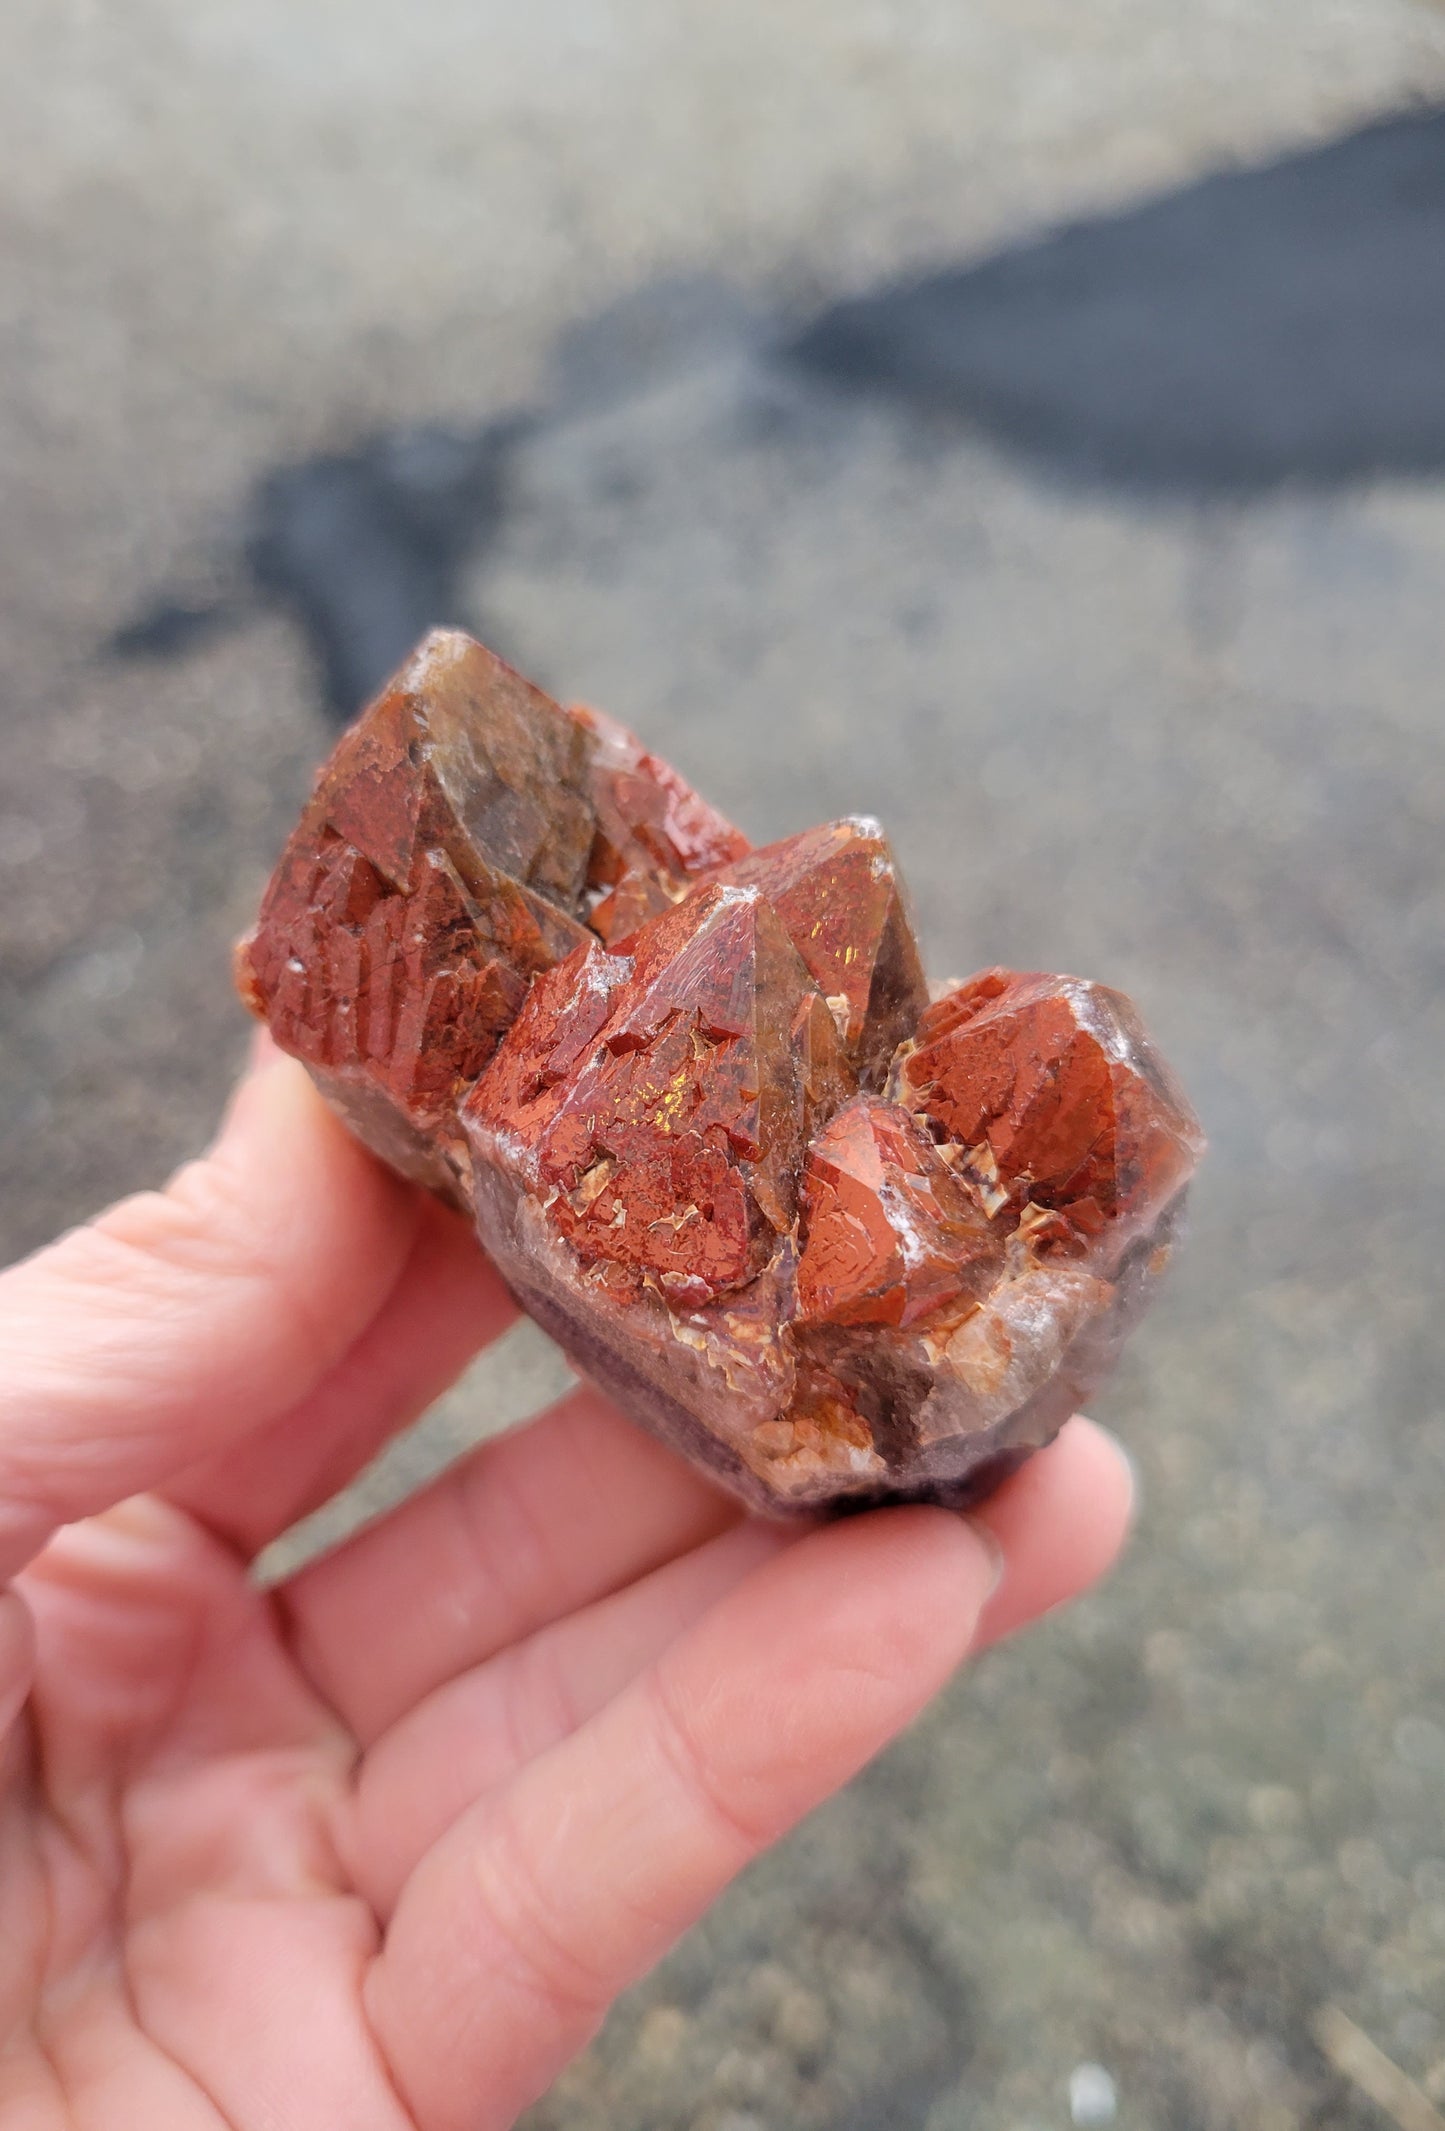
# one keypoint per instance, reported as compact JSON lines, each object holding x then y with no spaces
{"x":829,"y":1234}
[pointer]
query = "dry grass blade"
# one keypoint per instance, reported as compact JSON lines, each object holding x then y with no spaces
{"x":1358,"y":2059}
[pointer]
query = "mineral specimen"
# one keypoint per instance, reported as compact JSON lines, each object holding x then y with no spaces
{"x":829,"y":1237}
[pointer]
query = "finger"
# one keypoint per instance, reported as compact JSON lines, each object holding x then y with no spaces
{"x":535,"y":1909}
{"x":1056,"y":1535}
{"x":476,"y":1733}
{"x":183,"y":1320}
{"x":448,"y":1303}
{"x":1059,"y":1524}
{"x":526,"y":1530}
{"x":17,"y":1657}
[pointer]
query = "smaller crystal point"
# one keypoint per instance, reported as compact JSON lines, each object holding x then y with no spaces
{"x":653,"y":835}
{"x":1058,"y":1099}
{"x":837,"y":891}
{"x":462,"y":753}
{"x":890,"y":1234}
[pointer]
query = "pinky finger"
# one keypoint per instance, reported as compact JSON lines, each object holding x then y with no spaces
{"x":536,"y":1908}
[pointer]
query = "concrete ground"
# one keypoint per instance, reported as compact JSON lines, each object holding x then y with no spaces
{"x":1190,"y":744}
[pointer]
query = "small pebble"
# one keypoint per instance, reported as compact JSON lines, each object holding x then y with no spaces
{"x":1093,"y":2097}
{"x":800,"y":2023}
{"x":661,"y":2035}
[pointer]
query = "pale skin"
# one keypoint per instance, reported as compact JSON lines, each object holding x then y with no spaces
{"x":378,"y":1850}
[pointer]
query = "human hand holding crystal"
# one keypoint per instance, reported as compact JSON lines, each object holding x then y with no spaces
{"x":380,"y":1847}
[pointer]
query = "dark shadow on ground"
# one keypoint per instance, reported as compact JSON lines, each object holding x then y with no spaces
{"x":1261,"y":327}
{"x":364,"y":548}
{"x":1283,"y":324}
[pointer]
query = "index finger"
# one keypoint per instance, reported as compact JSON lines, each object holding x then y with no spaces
{"x":182,"y":1321}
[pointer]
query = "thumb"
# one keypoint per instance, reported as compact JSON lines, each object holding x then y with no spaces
{"x":184,"y":1319}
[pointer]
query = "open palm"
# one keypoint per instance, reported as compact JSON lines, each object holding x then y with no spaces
{"x":379,"y":1850}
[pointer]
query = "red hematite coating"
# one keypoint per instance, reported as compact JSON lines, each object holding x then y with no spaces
{"x":892,"y":1234}
{"x":653,"y":832}
{"x":666,"y":1099}
{"x":1059,"y":1099}
{"x":826,"y":1238}
{"x":836,"y":890}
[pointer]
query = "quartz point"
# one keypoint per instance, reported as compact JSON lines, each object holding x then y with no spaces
{"x":836,"y":1240}
{"x":837,"y":891}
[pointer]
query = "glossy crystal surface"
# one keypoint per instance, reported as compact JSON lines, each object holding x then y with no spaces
{"x":827,"y":1237}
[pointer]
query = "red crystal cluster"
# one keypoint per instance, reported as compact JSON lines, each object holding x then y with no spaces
{"x":828,"y":1235}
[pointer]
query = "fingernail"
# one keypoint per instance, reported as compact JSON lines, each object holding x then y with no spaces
{"x":993,"y":1552}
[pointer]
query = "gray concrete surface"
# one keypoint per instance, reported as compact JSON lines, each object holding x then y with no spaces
{"x":1196,"y":750}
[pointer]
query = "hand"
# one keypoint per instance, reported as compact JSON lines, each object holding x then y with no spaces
{"x":378,"y":1850}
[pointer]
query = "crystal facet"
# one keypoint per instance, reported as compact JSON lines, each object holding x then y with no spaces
{"x":653,"y":833}
{"x":827,"y":1238}
{"x":893,"y":1236}
{"x":837,"y":893}
{"x":1064,"y":1109}
{"x":669,"y":1140}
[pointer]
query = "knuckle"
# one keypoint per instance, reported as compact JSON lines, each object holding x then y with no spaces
{"x":543,"y":1957}
{"x":692,"y":1765}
